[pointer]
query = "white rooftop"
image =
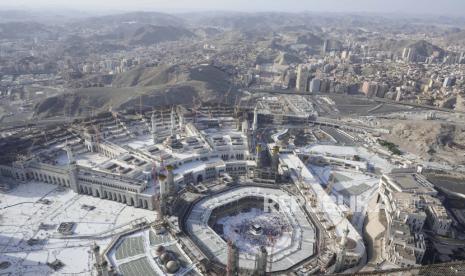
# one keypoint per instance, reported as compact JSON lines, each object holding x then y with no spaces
{"x":22,"y":215}
{"x":326,"y":204}
{"x":302,"y":247}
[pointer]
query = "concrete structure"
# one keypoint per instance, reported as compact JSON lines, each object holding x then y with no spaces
{"x":402,"y":247}
{"x":335,"y":221}
{"x":297,"y":249}
{"x":255,"y":119}
{"x":154,"y":128}
{"x":341,"y":254}
{"x":370,"y":89}
{"x":173,"y":122}
{"x":123,"y":166}
{"x":410,"y":206}
{"x":302,"y":79}
{"x":315,"y":85}
{"x":285,"y":110}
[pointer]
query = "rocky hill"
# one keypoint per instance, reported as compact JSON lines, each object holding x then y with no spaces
{"x":20,"y":30}
{"x":151,"y":34}
{"x":147,"y":76}
{"x":153,"y":86}
{"x":141,"y":34}
{"x":425,"y":49}
{"x":123,"y":30}
{"x":421,"y":47}
{"x":132,"y":18}
{"x":310,"y":39}
{"x":286,"y":59}
{"x":432,"y":140}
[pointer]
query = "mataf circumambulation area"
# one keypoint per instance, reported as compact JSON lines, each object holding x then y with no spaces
{"x":253,"y":218}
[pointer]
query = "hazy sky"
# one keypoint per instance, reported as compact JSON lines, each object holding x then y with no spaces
{"x":451,"y":7}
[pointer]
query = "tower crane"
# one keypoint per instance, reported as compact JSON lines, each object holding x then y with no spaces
{"x":330,"y":185}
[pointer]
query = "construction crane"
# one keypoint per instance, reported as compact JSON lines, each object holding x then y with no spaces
{"x":210,"y":115}
{"x":329,"y":186}
{"x":196,"y":108}
{"x":29,"y":152}
{"x":346,"y":215}
{"x":225,"y":97}
{"x":154,"y":173}
{"x":328,"y":190}
{"x":300,"y":173}
{"x":45,"y":136}
{"x":120,"y":123}
{"x":97,"y":133}
{"x":236,"y":107}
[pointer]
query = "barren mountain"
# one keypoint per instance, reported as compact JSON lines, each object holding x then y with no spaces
{"x":436,"y":141}
{"x":19,"y":30}
{"x":286,"y":59}
{"x":137,"y":18}
{"x":310,"y":39}
{"x":153,"y":86}
{"x":151,"y":34}
{"x":421,"y":47}
{"x":425,"y":49}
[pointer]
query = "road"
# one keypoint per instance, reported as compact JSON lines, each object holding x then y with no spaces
{"x":37,"y":123}
{"x":380,"y":100}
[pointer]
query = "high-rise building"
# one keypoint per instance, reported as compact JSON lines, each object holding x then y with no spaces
{"x":255,"y":119}
{"x":327,"y":68}
{"x":154,"y":128}
{"x":382,"y":90}
{"x":345,"y":54}
{"x":409,"y":54}
{"x":398,"y":95}
{"x":315,"y":85}
{"x":448,"y":82}
{"x":324,"y":86}
{"x":325,"y":47}
{"x":369,"y":88}
{"x":405,"y":53}
{"x":302,"y":78}
{"x":462,"y":58}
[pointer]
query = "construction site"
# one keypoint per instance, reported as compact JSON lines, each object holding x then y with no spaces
{"x":252,"y":220}
{"x":261,"y":189}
